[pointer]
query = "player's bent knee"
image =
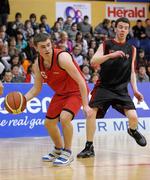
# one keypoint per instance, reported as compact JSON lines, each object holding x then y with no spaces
{"x":48,"y":123}
{"x":65,"y":120}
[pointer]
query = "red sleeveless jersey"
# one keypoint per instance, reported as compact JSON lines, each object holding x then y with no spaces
{"x":57,"y":78}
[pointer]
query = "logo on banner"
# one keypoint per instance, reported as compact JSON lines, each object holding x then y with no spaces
{"x":76,"y":14}
{"x":74,"y":9}
{"x":129,"y":11}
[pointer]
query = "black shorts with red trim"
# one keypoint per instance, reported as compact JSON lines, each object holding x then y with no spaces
{"x":102,"y":98}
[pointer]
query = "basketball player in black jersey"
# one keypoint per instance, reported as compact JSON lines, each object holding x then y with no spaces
{"x":117,"y":59}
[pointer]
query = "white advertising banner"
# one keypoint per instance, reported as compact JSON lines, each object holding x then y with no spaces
{"x":112,"y":125}
{"x":130,"y":11}
{"x":76,"y":10}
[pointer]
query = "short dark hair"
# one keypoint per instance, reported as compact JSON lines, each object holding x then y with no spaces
{"x":43,"y":17}
{"x":18,"y":14}
{"x":86,"y":17}
{"x":32,"y":16}
{"x":122,"y":19}
{"x":41,"y":37}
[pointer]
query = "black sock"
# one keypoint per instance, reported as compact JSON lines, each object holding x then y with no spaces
{"x":132,"y":130}
{"x":89,"y":144}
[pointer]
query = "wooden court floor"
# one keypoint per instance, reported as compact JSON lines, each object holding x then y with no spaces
{"x":118,"y":157}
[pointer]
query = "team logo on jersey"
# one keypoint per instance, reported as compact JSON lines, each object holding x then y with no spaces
{"x":55,"y":72}
{"x":43,"y":75}
{"x":127,"y":56}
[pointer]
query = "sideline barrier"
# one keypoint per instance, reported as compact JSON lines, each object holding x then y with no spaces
{"x":30,"y":122}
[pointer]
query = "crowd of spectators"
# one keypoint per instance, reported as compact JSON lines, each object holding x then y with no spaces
{"x":17,"y":52}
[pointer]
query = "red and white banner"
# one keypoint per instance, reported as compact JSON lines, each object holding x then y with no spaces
{"x":130,"y":11}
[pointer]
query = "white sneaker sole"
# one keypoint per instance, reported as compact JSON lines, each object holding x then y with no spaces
{"x":63,"y":164}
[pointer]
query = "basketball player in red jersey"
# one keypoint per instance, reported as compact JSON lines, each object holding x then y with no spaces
{"x":117,"y":59}
{"x":62,"y":74}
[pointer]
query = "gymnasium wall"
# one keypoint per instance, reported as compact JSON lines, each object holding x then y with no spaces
{"x":48,"y":7}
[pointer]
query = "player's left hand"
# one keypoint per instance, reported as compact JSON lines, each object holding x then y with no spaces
{"x":139,"y":96}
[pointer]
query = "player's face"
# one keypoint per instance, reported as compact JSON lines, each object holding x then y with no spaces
{"x":45,"y":48}
{"x":122,"y":30}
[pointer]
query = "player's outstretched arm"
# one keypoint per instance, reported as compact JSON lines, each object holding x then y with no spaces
{"x":34,"y":91}
{"x":137,"y":94}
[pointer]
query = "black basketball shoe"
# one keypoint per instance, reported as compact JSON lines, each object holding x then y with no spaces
{"x":139,"y":138}
{"x":87,"y":152}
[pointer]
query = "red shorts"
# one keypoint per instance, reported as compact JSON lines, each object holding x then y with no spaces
{"x":58,"y":103}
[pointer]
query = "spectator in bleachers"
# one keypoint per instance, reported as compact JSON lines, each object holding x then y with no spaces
{"x":141,"y":74}
{"x":17,"y":60}
{"x":101,"y":31}
{"x":86,"y":73}
{"x":3,"y":34}
{"x":139,"y":30}
{"x":88,"y":37}
{"x":93,"y":44}
{"x":21,"y":43}
{"x":18,"y":24}
{"x":56,"y":30}
{"x":80,"y":40}
{"x":94,"y":78}
{"x":42,"y":29}
{"x":43,"y":20}
{"x":65,"y":42}
{"x":32,"y":19}
{"x":112,"y":32}
{"x":12,"y":42}
{"x":90,"y":54}
{"x":85,"y":27}
{"x":141,"y":60}
{"x":73,"y":32}
{"x":67,"y":24}
{"x":61,"y":22}
{"x":5,"y":57}
{"x":147,"y":27}
{"x":76,"y":53}
{"x":28,"y":30}
{"x":17,"y":77}
{"x":4,"y":11}
{"x":36,"y":30}
{"x":30,"y":51}
{"x":7,"y":77}
{"x":12,"y":46}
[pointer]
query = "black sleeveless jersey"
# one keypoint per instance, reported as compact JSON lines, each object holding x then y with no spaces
{"x":115,"y":73}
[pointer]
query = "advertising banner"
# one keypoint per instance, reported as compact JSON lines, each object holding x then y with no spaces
{"x":31,"y":121}
{"x":74,"y":9}
{"x":130,"y":11}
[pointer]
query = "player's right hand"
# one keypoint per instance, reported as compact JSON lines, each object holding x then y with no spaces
{"x":117,"y":54}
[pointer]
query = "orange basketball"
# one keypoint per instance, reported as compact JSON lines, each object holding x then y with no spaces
{"x":15,"y":102}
